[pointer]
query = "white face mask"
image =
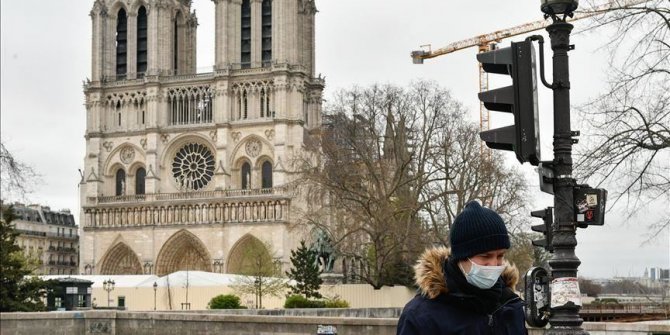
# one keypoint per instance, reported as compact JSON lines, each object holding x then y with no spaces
{"x":483,"y":276}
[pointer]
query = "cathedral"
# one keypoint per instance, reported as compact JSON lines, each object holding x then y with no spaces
{"x":187,"y":170}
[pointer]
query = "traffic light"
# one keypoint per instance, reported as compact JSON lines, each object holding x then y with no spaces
{"x":545,"y":228}
{"x":523,"y":138}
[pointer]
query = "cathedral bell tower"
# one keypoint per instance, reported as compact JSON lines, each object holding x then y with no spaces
{"x":188,"y":170}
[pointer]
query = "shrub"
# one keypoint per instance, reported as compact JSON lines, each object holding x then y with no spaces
{"x":227,"y":301}
{"x":337,"y":303}
{"x":298,"y":301}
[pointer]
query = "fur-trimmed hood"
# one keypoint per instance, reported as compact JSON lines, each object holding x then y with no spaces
{"x":429,"y":273}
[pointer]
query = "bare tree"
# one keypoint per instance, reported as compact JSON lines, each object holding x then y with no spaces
{"x":392,"y":168}
{"x":16,"y":177}
{"x":628,"y":147}
{"x":261,"y":274}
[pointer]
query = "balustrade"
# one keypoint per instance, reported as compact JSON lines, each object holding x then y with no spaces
{"x":190,"y":214}
{"x":275,"y":191}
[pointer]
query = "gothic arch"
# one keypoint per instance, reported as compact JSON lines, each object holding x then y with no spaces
{"x":115,"y":7}
{"x":183,"y":251}
{"x":120,"y":260}
{"x":262,"y":159}
{"x":114,"y":157}
{"x":267,"y":148}
{"x":176,"y":143}
{"x":246,"y":251}
{"x":135,"y":7}
{"x":132,"y":170}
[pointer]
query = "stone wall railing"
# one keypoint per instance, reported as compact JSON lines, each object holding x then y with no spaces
{"x":205,"y":322}
{"x":207,"y":212}
{"x":150,"y":197}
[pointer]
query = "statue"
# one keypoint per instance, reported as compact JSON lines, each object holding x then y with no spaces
{"x":325,"y":254}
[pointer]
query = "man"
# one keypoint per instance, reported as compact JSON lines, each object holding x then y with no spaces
{"x":467,"y":289}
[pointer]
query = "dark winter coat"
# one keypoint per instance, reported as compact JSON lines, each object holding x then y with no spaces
{"x":449,"y":305}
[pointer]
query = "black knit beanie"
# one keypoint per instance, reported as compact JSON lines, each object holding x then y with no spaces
{"x":477,"y":230}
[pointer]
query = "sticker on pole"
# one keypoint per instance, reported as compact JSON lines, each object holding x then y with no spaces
{"x":564,"y":291}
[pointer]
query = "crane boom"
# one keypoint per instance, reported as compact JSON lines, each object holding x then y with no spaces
{"x":483,"y":40}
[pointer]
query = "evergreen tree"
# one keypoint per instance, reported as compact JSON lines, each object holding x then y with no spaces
{"x":305,"y":272}
{"x":17,"y":293}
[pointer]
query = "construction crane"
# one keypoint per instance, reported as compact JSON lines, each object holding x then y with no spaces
{"x":487,"y":42}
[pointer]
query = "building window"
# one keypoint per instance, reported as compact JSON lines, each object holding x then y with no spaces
{"x":266,"y":35}
{"x":191,"y":105}
{"x":142,"y":25}
{"x":193,"y":167}
{"x":245,"y":105}
{"x":265,"y":103}
{"x":245,"y":58}
{"x":120,"y":182}
{"x":175,"y":44}
{"x":140,"y":175}
{"x":267,"y":175}
{"x":246,"y":176}
{"x":121,"y":43}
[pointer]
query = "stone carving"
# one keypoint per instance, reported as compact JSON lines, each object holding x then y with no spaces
{"x":236,"y":135}
{"x":221,"y":170}
{"x":143,"y":143}
{"x":307,"y":7}
{"x":212,"y":135}
{"x":165,"y":138}
{"x":92,"y":176}
{"x":108,"y":145}
{"x":270,"y":134}
{"x":219,"y":211}
{"x":127,"y":154}
{"x":253,"y":147}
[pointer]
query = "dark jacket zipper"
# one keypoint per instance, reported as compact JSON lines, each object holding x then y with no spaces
{"x":499,"y":307}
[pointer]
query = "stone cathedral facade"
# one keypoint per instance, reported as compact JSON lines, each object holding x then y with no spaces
{"x":186,"y":170}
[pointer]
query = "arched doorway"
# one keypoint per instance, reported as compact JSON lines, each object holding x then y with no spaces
{"x":120,"y":260}
{"x":250,"y":256}
{"x":183,"y":251}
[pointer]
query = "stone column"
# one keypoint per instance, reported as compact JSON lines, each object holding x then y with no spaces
{"x":235,"y":31}
{"x":278,"y":49}
{"x":221,"y":34}
{"x":152,"y":39}
{"x":98,"y":18}
{"x":256,"y":32}
{"x":109,"y":67}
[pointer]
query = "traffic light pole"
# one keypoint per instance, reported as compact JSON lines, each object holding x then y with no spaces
{"x":564,"y":317}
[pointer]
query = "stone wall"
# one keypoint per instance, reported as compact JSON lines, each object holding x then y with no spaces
{"x":150,"y":323}
{"x":169,"y":323}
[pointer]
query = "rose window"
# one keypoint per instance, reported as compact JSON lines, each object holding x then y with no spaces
{"x":193,"y":167}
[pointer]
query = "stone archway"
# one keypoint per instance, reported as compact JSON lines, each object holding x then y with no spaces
{"x":120,"y":260}
{"x":183,"y":251}
{"x":250,"y":256}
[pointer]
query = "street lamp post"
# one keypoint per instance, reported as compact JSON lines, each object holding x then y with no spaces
{"x":108,"y":285}
{"x":564,"y":317}
{"x":155,"y":289}
{"x":257,"y":284}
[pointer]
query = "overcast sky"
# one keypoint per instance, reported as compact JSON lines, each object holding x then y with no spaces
{"x":46,"y":56}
